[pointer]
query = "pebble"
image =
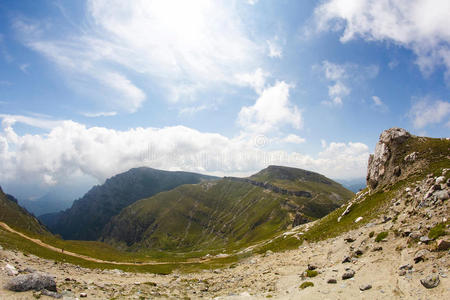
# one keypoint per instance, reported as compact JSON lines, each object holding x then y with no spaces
{"x":431,"y":281}
{"x":348,"y":274}
{"x":365,"y":287}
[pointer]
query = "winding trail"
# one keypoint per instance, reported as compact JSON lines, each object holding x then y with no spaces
{"x":88,"y":258}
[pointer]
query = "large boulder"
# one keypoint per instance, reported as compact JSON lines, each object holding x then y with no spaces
{"x":35,"y":281}
{"x":379,"y":161}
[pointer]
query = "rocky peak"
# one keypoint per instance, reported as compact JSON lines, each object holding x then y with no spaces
{"x":380,"y":168}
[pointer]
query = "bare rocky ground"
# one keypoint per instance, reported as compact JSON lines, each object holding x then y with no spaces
{"x":390,"y":269}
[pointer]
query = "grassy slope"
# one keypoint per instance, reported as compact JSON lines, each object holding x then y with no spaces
{"x":222,"y":215}
{"x":18,"y":218}
{"x":435,"y":154}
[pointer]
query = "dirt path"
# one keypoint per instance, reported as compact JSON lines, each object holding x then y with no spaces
{"x":88,"y":258}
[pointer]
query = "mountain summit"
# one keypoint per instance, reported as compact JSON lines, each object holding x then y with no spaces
{"x":87,"y":216}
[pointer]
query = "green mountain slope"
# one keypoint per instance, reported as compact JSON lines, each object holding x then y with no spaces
{"x":231,"y":212}
{"x":88,"y":215}
{"x":17,"y":217}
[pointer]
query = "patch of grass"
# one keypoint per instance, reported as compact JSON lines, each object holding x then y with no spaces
{"x":311,"y":273}
{"x":381,"y":236}
{"x":371,"y":234}
{"x":306,"y":284}
{"x":437,"y":231}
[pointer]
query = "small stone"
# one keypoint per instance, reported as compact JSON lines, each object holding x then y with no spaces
{"x":358,"y":219}
{"x":332,"y":281}
{"x":312,"y":267}
{"x":420,"y":255}
{"x":51,"y":294}
{"x":11,"y":270}
{"x":346,"y":259}
{"x":83,"y":295}
{"x":359,"y":252}
{"x":431,"y":281}
{"x":402,"y":273}
{"x":378,"y":248}
{"x":442,"y":195}
{"x":406,"y":267}
{"x":348,"y":274}
{"x":365,"y":287}
{"x":442,"y":245}
{"x":349,"y":239}
{"x":424,"y":239}
{"x":440,"y":180}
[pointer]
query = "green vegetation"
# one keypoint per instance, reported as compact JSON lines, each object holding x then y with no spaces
{"x":438,"y":230}
{"x":381,"y":236}
{"x":371,"y":234}
{"x":306,"y":284}
{"x":221,"y":215}
{"x":87,"y":217}
{"x":311,"y":273}
{"x":18,"y":218}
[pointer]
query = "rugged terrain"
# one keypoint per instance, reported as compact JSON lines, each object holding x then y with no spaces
{"x":87,"y":216}
{"x":228,"y":213}
{"x":389,"y":242}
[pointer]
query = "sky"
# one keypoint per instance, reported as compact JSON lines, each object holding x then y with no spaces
{"x":89,"y":89}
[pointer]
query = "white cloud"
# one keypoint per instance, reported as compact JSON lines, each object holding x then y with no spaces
{"x":426,"y":111}
{"x":271,"y":110}
{"x":256,"y":80}
{"x":378,"y":104}
{"x":252,"y":2}
{"x":100,"y":114}
{"x":419,"y":25}
{"x":24,"y":68}
{"x":341,"y":75}
{"x":293,"y":139}
{"x":275,"y":50}
{"x":71,"y":148}
{"x":184,"y":50}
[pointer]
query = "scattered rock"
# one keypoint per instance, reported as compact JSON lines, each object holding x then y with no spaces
{"x":358,"y":219}
{"x":365,"y":287}
{"x":442,"y":245}
{"x":346,"y":259}
{"x":378,"y":248}
{"x":311,"y":267}
{"x":402,"y":273}
{"x":349,"y":239}
{"x":424,"y":239}
{"x":332,"y":281}
{"x":83,"y":295}
{"x":421,"y":255}
{"x":348,"y":274}
{"x":442,"y":195}
{"x":406,"y":267}
{"x":431,"y":281}
{"x":34,"y":281}
{"x":11,"y":270}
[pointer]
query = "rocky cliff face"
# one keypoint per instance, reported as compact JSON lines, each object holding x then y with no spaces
{"x":383,"y":168}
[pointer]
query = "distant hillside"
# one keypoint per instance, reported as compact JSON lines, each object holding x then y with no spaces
{"x":88,"y":215}
{"x":17,"y":217}
{"x":46,"y":204}
{"x":226,"y":213}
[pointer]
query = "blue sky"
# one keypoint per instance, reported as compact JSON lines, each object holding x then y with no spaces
{"x":92,"y":88}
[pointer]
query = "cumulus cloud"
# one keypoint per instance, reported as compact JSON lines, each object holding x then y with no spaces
{"x":256,"y":80}
{"x":427,"y":111}
{"x":341,"y":75}
{"x":293,"y":139}
{"x":72,"y":148}
{"x":418,"y":25}
{"x":183,"y":50}
{"x":271,"y":110}
{"x":275,"y":49}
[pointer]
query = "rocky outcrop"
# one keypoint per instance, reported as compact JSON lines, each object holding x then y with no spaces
{"x":272,"y":187}
{"x":380,"y":168}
